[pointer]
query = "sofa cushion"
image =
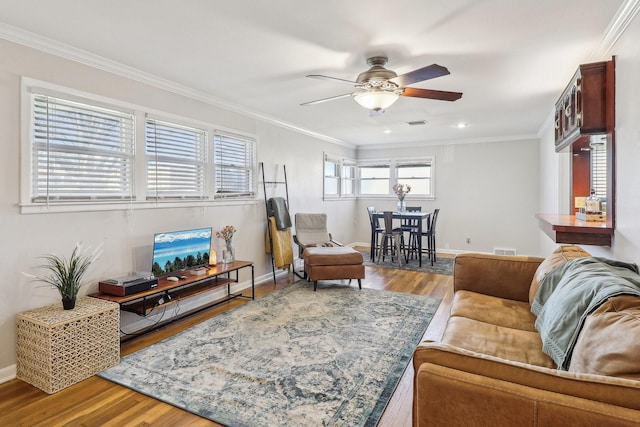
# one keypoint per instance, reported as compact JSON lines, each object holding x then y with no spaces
{"x":493,"y":310}
{"x":557,"y":258}
{"x":498,"y":341}
{"x":609,"y":343}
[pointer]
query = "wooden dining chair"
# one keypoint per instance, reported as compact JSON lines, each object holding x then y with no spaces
{"x":410,"y":225}
{"x":392,"y":240}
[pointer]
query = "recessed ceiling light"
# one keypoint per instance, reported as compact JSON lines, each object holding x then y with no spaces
{"x":387,"y":131}
{"x":462,"y":125}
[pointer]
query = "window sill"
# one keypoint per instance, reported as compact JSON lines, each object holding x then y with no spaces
{"x":40,"y":208}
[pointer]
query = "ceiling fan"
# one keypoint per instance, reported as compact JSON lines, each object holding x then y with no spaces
{"x":379,"y":87}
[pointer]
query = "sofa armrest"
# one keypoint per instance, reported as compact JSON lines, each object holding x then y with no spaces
{"x":614,"y":391}
{"x":497,"y":275}
{"x":451,"y":397}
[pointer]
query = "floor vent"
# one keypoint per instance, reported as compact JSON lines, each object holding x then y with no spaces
{"x":504,"y":251}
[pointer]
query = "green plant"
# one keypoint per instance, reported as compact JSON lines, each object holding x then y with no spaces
{"x":66,"y":274}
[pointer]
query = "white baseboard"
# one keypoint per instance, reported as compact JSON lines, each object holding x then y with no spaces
{"x":7,"y":374}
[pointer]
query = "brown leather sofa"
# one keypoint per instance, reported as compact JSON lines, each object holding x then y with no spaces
{"x":489,"y":368}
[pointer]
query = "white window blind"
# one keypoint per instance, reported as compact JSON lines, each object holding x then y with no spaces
{"x":80,"y":151}
{"x":176,"y":160}
{"x":599,"y":170}
{"x":235,"y":163}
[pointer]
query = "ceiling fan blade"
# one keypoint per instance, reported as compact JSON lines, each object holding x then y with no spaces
{"x":320,"y":101}
{"x":425,"y":73}
{"x":333,"y":79}
{"x":431,"y":94}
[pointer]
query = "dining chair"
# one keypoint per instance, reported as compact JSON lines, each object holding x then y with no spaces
{"x":376,"y":229}
{"x":410,"y":225}
{"x":392,"y":240}
{"x":430,"y":234}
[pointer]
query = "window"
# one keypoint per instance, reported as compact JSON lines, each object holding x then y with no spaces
{"x":374,"y":179}
{"x":348,"y":180}
{"x":339,"y":177}
{"x":331,"y":177}
{"x":87,"y":152}
{"x":176,"y":160}
{"x":235,"y":161}
{"x":417,"y":175}
{"x":599,"y":170}
{"x":80,"y":151}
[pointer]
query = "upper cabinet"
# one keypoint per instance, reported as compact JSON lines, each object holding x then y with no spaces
{"x":585,"y":127}
{"x":582,"y":108}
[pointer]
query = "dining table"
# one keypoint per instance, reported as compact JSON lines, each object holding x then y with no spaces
{"x":421,"y":218}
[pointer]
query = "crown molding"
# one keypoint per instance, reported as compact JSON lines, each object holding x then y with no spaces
{"x":418,"y":144}
{"x":46,"y":45}
{"x":619,"y":23}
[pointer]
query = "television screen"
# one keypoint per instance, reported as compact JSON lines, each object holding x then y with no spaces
{"x":180,"y":250}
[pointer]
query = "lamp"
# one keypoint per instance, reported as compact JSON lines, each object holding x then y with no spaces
{"x":376,"y":99}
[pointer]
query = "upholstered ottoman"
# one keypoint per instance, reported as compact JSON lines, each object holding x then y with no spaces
{"x":333,"y":263}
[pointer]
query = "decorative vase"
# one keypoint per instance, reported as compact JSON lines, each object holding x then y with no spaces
{"x":228,"y":253}
{"x":401,"y":206}
{"x":68,"y":303}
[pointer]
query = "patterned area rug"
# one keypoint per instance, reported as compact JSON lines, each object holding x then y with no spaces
{"x":441,"y":266}
{"x":293,"y":357}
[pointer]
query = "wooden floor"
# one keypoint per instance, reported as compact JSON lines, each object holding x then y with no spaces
{"x":97,"y":402}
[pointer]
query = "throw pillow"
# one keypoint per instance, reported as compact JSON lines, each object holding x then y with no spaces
{"x":608,"y":343}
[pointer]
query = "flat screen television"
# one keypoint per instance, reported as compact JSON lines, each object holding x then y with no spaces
{"x":180,"y":250}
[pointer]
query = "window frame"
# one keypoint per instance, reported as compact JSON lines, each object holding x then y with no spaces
{"x":199,"y":161}
{"x":139,"y":184}
{"x":251,"y":170}
{"x":425,"y":161}
{"x":375,"y":164}
{"x":393,"y":166}
{"x":339,"y":177}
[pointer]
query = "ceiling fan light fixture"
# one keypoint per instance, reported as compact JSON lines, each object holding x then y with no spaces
{"x":376,"y":99}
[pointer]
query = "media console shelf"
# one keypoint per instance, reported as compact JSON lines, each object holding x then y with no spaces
{"x":168,"y":292}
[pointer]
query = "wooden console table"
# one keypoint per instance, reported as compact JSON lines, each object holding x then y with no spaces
{"x":168,"y":292}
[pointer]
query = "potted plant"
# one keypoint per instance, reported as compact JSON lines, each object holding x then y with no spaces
{"x":65,"y":274}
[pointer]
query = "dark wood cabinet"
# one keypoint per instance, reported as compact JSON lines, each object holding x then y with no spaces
{"x":581,"y":110}
{"x":584,"y":122}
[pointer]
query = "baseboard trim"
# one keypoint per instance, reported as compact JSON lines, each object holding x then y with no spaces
{"x":9,"y":373}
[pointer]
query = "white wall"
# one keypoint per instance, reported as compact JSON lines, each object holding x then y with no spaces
{"x":127,"y":234}
{"x":487,"y":192}
{"x":554,"y":176}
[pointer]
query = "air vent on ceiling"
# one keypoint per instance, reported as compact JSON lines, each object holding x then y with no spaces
{"x":417,"y":123}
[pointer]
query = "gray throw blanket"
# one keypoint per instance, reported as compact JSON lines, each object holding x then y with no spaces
{"x":277,"y":208}
{"x":570,"y":292}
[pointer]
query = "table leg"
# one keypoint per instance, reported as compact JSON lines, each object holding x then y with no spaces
{"x":420,"y":243}
{"x":372,"y":254}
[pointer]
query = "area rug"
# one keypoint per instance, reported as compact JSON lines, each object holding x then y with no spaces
{"x":294,"y":357}
{"x":441,"y":266}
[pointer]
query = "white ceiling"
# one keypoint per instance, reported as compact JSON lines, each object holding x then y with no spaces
{"x":510,"y":58}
